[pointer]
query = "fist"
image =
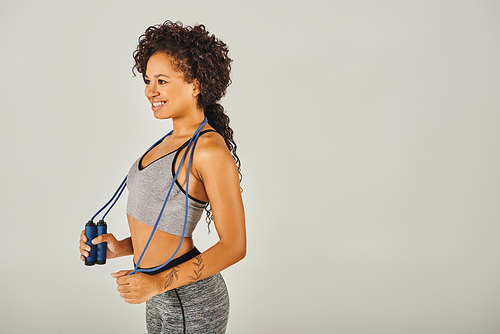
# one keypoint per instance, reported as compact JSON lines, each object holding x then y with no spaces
{"x":112,"y":250}
{"x":136,"y":288}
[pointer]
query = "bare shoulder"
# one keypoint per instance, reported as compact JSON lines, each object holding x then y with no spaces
{"x":211,"y":147}
{"x":212,"y":158}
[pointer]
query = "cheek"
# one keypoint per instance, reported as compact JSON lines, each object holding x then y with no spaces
{"x":187,"y":92}
{"x":178,"y":94}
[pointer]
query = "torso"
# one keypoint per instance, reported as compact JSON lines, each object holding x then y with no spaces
{"x":163,"y":244}
{"x":161,"y":248}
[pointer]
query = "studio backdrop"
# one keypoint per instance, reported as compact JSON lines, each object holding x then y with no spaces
{"x":369,"y":138}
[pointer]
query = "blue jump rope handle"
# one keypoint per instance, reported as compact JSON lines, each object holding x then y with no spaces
{"x":101,"y":248}
{"x":91,"y":233}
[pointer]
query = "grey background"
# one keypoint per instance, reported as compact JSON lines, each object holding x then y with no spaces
{"x":369,"y":136}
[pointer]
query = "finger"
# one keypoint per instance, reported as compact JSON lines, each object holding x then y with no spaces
{"x":122,"y":280}
{"x":104,"y":238}
{"x":84,"y":249}
{"x":97,"y":240}
{"x":84,"y":253}
{"x":130,"y":298}
{"x":83,"y":236}
{"x":123,"y":288}
{"x":126,"y":297}
{"x":131,"y":301}
{"x":121,"y":273}
{"x":84,"y":246}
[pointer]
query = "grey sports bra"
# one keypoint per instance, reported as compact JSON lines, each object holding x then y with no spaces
{"x":148,"y":187}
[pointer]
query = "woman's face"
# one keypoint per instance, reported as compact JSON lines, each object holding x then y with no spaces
{"x":167,"y":91}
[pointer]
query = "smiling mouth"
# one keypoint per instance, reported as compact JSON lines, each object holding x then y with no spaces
{"x":157,"y":104}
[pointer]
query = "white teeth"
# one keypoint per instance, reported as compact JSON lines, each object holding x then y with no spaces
{"x":157,"y":104}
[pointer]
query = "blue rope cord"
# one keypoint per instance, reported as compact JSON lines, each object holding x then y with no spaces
{"x":122,"y":186}
{"x":192,"y":141}
{"x":119,"y":191}
{"x":116,"y":200}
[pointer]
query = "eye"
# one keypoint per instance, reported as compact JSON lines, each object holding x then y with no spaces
{"x":161,"y":82}
{"x":147,"y":82}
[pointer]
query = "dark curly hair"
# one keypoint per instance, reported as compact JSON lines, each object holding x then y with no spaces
{"x":198,"y":55}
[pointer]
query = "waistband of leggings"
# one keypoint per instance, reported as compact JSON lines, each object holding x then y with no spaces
{"x":175,"y":262}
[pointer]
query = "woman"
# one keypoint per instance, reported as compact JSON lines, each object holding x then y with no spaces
{"x":186,"y":72}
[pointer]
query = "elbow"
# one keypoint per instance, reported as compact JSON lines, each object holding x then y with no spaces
{"x":238,"y":252}
{"x":241,"y":253}
{"x":242,"y":249}
{"x":233,"y":248}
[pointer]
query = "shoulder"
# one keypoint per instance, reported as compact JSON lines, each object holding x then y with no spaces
{"x":212,"y":161}
{"x":211,"y":147}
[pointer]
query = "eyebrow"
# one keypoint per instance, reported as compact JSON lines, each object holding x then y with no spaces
{"x":158,"y":75}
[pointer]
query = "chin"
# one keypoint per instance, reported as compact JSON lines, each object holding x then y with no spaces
{"x":161,"y":116}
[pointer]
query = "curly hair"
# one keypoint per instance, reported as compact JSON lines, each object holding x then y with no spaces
{"x":198,"y":55}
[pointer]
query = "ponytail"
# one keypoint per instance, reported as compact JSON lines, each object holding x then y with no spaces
{"x":218,"y":119}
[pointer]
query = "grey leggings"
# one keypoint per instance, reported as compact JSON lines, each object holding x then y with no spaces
{"x":199,"y":307}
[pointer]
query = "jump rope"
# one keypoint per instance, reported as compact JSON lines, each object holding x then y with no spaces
{"x":97,"y":253}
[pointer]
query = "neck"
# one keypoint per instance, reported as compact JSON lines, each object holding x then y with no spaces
{"x":186,"y":126}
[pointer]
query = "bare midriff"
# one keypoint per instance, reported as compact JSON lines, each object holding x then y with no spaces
{"x":161,"y":247}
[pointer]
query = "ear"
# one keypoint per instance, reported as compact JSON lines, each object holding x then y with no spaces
{"x":196,"y":87}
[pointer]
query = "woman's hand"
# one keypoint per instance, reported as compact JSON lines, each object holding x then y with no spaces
{"x":136,"y":288}
{"x":115,"y":248}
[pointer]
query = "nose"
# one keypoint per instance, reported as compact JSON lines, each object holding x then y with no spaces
{"x":151,"y":90}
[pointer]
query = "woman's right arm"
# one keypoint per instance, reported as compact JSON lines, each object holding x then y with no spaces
{"x":115,"y":248}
